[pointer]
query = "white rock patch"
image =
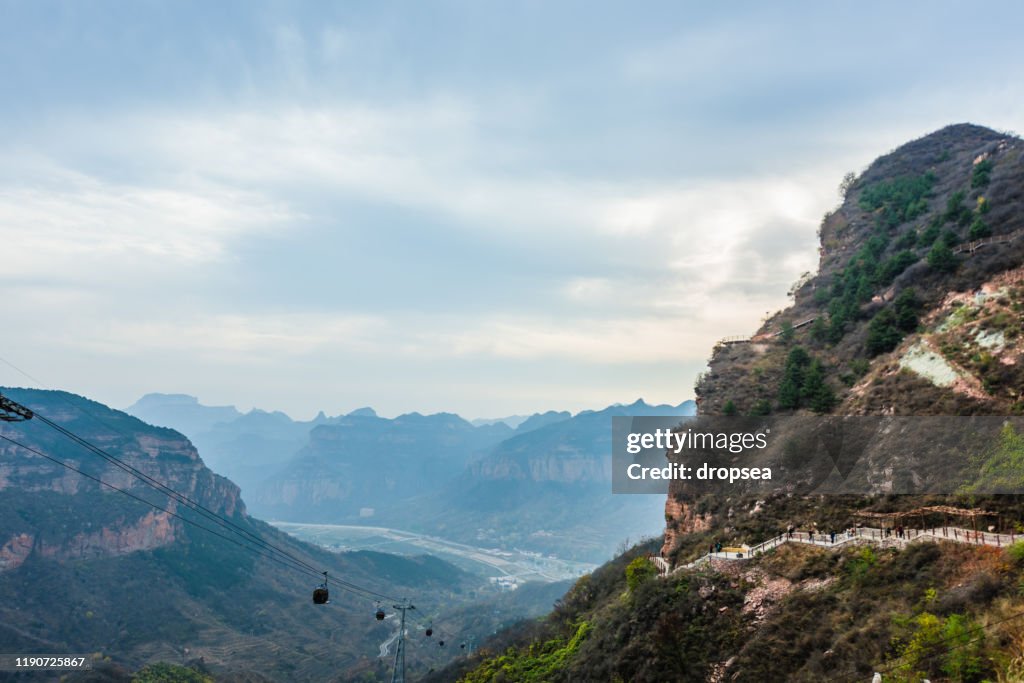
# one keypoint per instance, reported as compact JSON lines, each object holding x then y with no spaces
{"x":923,"y":361}
{"x":991,"y":340}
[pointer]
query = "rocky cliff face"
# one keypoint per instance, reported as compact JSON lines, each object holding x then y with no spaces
{"x":100,"y":522}
{"x":917,"y":307}
{"x":567,"y":451}
{"x":153,"y":530}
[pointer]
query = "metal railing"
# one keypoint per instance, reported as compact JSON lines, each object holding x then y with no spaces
{"x":849,"y":537}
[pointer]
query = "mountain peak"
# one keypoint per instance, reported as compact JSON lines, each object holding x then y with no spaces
{"x":363,"y":412}
{"x":948,"y":144}
{"x":157,"y":398}
{"x":180,"y":411}
{"x":931,"y":222}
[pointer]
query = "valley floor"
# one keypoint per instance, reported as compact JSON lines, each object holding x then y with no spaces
{"x":509,"y":565}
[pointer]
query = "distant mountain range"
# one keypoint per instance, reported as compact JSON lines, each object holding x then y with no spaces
{"x":542,"y":485}
{"x":547,"y":489}
{"x":353,"y":466}
{"x":242,"y":447}
{"x":181,"y":412}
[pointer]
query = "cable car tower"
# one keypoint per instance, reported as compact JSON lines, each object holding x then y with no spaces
{"x":398,"y":675}
{"x":13,"y":412}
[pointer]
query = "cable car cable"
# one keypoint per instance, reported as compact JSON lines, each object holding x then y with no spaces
{"x":163,"y":488}
{"x":198,"y":507}
{"x":143,"y":500}
{"x":180,"y":497}
{"x":273,"y":552}
{"x":355,"y":590}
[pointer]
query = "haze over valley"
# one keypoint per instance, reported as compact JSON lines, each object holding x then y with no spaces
{"x":541,"y":486}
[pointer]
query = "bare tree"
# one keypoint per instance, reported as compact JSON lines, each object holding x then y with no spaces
{"x":847,"y":184}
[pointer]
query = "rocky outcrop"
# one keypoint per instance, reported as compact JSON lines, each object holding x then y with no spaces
{"x":62,"y":515}
{"x":565,"y":451}
{"x":958,"y":345}
{"x":681,"y":519}
{"x":14,"y":552}
{"x":154,"y":530}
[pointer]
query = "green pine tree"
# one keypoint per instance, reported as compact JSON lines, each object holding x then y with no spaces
{"x":941,"y":258}
{"x":762,"y":407}
{"x":883,"y":332}
{"x":979,"y":229}
{"x":815,"y":392}
{"x":906,"y":307}
{"x":819,"y":331}
{"x":793,"y":378}
{"x":789,"y":394}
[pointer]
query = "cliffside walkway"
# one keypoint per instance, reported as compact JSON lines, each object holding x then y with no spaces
{"x":971,"y":247}
{"x":742,"y":339}
{"x":858,"y":536}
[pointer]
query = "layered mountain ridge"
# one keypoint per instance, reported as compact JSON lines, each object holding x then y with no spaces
{"x":543,"y":486}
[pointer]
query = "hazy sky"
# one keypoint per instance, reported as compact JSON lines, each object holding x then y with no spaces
{"x":486,"y":208}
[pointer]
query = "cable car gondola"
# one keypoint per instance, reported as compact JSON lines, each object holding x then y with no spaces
{"x":320,"y":594}
{"x":380,"y":612}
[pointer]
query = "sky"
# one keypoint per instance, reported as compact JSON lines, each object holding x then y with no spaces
{"x":476,"y":207}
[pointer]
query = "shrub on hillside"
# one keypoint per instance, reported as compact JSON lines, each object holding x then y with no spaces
{"x":883,"y":333}
{"x":979,"y":229}
{"x":1016,"y":552}
{"x":981,"y":175}
{"x":639,"y":570}
{"x":941,"y":258}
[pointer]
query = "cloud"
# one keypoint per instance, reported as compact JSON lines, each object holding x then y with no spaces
{"x":308,"y":205}
{"x":243,"y":339}
{"x":73,"y":225}
{"x":216,"y":177}
{"x":643,"y":270}
{"x":595,"y":341}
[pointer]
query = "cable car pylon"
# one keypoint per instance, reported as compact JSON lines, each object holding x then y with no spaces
{"x":398,"y":675}
{"x":11,"y":411}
